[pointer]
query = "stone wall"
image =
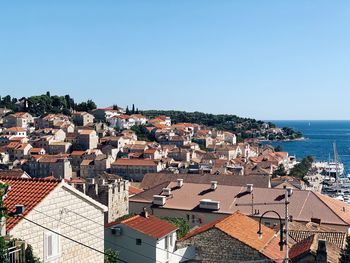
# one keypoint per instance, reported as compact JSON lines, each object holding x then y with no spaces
{"x":57,"y":208}
{"x":216,"y":246}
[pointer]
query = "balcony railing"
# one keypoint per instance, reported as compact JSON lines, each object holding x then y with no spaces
{"x":16,"y":254}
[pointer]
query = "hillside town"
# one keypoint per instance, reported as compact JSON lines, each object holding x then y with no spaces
{"x":118,"y":185}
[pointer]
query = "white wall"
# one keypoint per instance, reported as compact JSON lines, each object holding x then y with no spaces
{"x":57,"y":218}
{"x":151,"y":249}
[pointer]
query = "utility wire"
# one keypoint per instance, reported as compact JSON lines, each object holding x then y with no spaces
{"x":110,"y":242}
{"x":71,"y":239}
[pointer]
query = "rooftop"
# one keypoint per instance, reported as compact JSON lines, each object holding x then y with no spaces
{"x":135,"y":162}
{"x":232,"y":225}
{"x":151,"y":225}
{"x":27,"y":192}
{"x":304,"y":205}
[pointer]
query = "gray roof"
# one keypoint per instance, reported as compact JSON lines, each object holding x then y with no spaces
{"x":152,"y":179}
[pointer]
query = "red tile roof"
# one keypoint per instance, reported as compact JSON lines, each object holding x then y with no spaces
{"x":244,"y":229}
{"x":134,"y":190}
{"x":134,"y":162}
{"x":77,"y":153}
{"x":15,"y":129}
{"x":301,"y":247}
{"x":151,"y":225}
{"x":27,"y":192}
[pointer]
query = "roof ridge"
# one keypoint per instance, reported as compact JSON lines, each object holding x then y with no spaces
{"x":45,"y":179}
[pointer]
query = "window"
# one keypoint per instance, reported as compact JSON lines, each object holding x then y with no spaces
{"x":51,"y":245}
{"x":166,"y":242}
{"x":138,"y":241}
{"x":171,"y":240}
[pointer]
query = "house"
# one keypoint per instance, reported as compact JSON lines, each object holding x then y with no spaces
{"x":152,"y":153}
{"x":54,"y":221}
{"x":186,"y":201}
{"x":59,"y":147}
{"x":37,"y":151}
{"x":139,"y":119}
{"x":82,"y":118}
{"x":15,"y":131}
{"x":18,"y":119}
{"x":18,"y":151}
{"x":14,"y":173}
{"x":102,"y":114}
{"x":121,"y":121}
{"x":88,"y":139}
{"x":135,"y":169}
{"x":151,"y":180}
{"x":314,"y":250}
{"x":233,"y":239}
{"x":109,"y":190}
{"x":52,"y":121}
{"x":41,"y":166}
{"x":144,"y":238}
{"x":161,"y":120}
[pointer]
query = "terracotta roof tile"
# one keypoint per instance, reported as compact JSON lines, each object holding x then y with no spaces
{"x":151,"y":226}
{"x":135,"y":162}
{"x":234,"y":224}
{"x":27,"y":192}
{"x":134,"y":190}
{"x":301,"y":247}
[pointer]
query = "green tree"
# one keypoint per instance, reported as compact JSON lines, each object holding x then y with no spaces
{"x":111,"y":256}
{"x":3,"y":251}
{"x":127,"y":111}
{"x":182,"y":224}
{"x":345,"y":254}
{"x":280,"y":171}
{"x":133,"y":109}
{"x":30,"y":258}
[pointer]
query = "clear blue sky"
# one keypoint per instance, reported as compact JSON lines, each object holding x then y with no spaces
{"x":262,"y":59}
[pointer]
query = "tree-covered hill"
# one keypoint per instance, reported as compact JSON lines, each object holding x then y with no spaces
{"x":244,"y":127}
{"x":43,"y":104}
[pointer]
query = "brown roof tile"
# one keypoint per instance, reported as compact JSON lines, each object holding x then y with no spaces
{"x":151,"y":225}
{"x":27,"y":192}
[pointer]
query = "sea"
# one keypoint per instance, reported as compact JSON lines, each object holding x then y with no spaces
{"x":319,"y":139}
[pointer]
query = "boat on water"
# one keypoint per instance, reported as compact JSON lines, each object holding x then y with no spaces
{"x":335,"y":184}
{"x":331,"y":168}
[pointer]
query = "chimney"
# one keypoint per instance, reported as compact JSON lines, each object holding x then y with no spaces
{"x":84,"y":188}
{"x":96,"y":189}
{"x":321,"y":254}
{"x":214,"y":185}
{"x":289,"y":191}
{"x":93,"y":181}
{"x":145,"y":213}
{"x":250,"y":188}
{"x":103,"y":181}
{"x":180,"y":182}
{"x":166,"y":191}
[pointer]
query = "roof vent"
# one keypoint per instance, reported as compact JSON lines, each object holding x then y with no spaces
{"x":166,"y":191}
{"x":289,"y":191}
{"x":214,"y":185}
{"x":209,"y":204}
{"x":249,"y":188}
{"x":19,"y":209}
{"x":159,"y":199}
{"x":180,"y":182}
